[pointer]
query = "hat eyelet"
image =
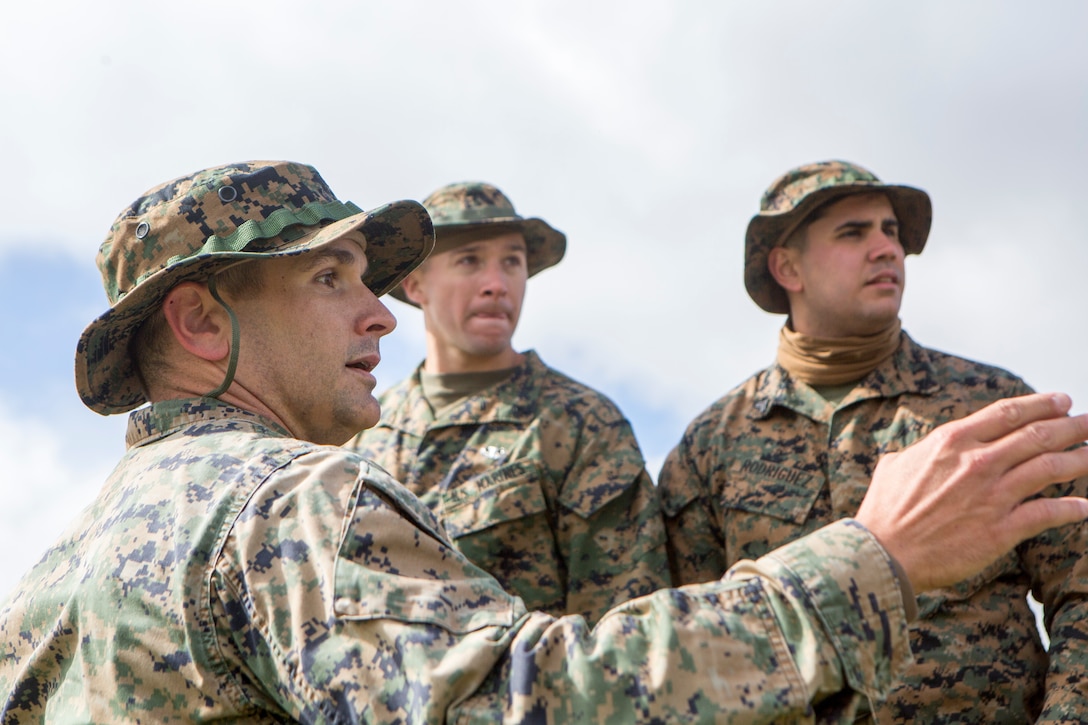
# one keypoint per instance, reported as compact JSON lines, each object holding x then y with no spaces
{"x":142,"y":230}
{"x":227,"y":194}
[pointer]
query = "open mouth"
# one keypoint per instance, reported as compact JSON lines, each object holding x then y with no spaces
{"x":886,"y":278}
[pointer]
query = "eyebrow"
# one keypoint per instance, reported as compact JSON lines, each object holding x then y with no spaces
{"x":855,"y":224}
{"x":476,"y":246}
{"x":320,"y":256}
{"x":325,"y":255}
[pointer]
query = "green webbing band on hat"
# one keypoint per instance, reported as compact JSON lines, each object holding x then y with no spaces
{"x":309,"y":215}
{"x":235,"y":337}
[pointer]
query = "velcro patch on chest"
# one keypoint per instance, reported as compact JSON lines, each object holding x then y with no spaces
{"x":766,"y":488}
{"x":757,"y":468}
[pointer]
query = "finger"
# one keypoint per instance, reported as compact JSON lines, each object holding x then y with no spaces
{"x":1036,"y":516}
{"x":1002,"y":417}
{"x":1034,"y":440}
{"x":1045,"y":469}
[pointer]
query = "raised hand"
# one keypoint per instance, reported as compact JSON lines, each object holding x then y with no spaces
{"x":954,"y":502}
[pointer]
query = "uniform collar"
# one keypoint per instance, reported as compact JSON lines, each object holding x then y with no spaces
{"x":511,"y":401}
{"x":908,"y":370}
{"x":158,"y":420}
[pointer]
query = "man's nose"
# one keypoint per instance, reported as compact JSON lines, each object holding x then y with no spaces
{"x":374,"y":316}
{"x":886,"y":246}
{"x":494,"y":281}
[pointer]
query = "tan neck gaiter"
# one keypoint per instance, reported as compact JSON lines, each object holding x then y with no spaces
{"x":835,"y":360}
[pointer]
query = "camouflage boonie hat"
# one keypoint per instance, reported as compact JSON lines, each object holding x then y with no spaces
{"x":789,"y":201}
{"x":188,"y":228}
{"x":475,"y":206}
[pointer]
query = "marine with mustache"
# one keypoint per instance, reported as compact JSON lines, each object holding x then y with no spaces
{"x":538,"y":478}
{"x":794,"y":447}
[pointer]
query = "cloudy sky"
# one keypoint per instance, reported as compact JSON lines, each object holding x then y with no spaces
{"x":645,"y":131}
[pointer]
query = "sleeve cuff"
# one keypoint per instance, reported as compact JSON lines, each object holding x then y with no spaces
{"x":856,"y":592}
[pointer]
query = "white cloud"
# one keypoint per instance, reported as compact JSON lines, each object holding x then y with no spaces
{"x":645,"y":131}
{"x":51,"y":472}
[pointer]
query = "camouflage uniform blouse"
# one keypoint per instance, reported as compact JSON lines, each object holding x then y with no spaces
{"x":539,"y":481}
{"x":228,"y":572}
{"x":772,"y":461}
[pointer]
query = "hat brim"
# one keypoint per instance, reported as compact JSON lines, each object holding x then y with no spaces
{"x":398,"y":235}
{"x":912,"y":206}
{"x":544,"y":245}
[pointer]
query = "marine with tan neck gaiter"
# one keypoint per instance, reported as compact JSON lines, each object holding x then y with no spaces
{"x":794,"y":447}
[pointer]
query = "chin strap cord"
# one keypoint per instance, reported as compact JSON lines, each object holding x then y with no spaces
{"x":235,"y":335}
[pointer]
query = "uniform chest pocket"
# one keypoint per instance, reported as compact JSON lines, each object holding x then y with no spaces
{"x":499,"y":521}
{"x":763,"y":505}
{"x":387,"y":568}
{"x":771,"y":489}
{"x":506,"y":494}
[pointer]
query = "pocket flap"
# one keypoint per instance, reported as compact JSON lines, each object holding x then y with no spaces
{"x":387,"y":568}
{"x":771,"y":489}
{"x":505,"y":494}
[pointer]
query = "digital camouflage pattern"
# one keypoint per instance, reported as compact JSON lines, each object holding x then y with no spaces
{"x":189,"y":227}
{"x":792,"y":197}
{"x":772,"y":461}
{"x":539,"y":481}
{"x":471,"y":210}
{"x":228,"y":572}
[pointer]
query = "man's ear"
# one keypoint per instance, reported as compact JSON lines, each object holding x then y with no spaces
{"x":200,"y":324}
{"x":413,"y":290}
{"x":782,"y":264}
